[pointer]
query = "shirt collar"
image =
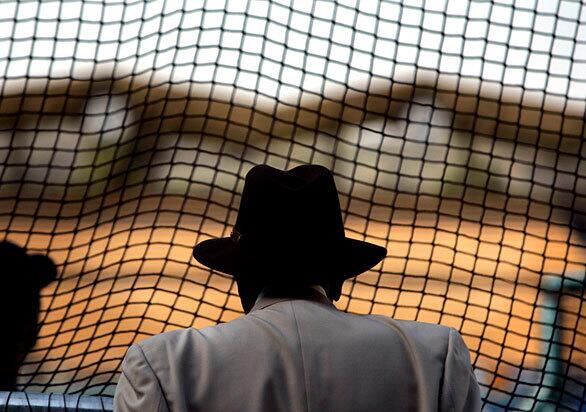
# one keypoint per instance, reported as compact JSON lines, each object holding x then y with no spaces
{"x":315,"y":293}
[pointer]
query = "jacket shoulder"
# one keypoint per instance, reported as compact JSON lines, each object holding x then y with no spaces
{"x":187,"y":340}
{"x":420,"y":331}
{"x":431,"y":342}
{"x":445,"y":359}
{"x":156,"y":343}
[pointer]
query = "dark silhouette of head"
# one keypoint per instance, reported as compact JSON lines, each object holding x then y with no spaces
{"x":23,"y":277}
{"x":289,"y":234}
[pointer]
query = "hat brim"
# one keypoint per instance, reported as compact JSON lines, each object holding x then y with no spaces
{"x":352,"y":257}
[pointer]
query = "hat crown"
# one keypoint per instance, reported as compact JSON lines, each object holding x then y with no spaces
{"x":289,"y":226}
{"x":296,"y":206}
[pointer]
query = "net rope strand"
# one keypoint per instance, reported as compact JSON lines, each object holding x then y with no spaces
{"x":455,"y":132}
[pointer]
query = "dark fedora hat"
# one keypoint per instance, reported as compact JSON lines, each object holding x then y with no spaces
{"x":290,"y":223}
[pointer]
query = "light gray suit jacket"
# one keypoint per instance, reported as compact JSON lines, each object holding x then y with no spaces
{"x":300,"y":354}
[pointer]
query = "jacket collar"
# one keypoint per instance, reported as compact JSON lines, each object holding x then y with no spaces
{"x":269,"y":297}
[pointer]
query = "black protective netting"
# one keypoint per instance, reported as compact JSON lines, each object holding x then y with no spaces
{"x":455,"y":131}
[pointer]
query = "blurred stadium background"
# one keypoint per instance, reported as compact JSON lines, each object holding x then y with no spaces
{"x":455,"y":130}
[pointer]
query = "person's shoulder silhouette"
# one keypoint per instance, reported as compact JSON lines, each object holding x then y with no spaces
{"x":22,"y":276}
